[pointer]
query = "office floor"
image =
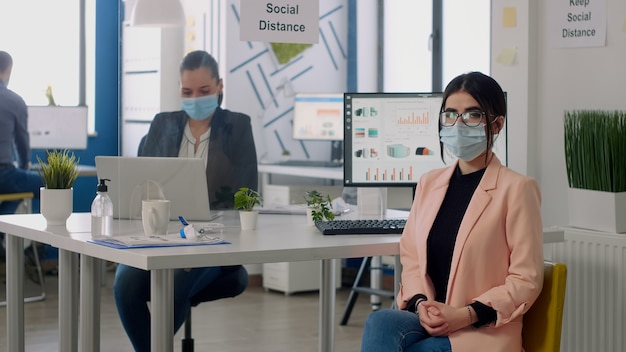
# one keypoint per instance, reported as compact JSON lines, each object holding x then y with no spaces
{"x":257,"y":320}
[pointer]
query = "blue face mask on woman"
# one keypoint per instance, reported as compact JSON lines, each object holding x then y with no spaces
{"x":466,"y":143}
{"x":200,"y":108}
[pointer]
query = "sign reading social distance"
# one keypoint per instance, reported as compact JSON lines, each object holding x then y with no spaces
{"x":280,"y":21}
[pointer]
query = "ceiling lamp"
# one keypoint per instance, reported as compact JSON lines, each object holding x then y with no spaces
{"x":157,"y":13}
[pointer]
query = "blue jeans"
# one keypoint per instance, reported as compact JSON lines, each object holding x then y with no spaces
{"x":14,"y":180}
{"x":132,"y":290}
{"x":399,"y":330}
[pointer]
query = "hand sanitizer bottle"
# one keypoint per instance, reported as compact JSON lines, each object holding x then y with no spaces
{"x":101,"y":211}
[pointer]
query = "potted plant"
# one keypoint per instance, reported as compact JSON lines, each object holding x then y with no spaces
{"x":595,"y":149}
{"x":245,"y":200}
{"x":58,"y":174}
{"x":285,"y":155}
{"x":319,"y":207}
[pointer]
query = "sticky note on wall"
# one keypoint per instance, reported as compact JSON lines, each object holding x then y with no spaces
{"x":507,"y":56}
{"x":509,"y":17}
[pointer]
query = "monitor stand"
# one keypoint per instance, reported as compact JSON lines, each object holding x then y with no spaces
{"x":372,"y":202}
{"x":336,"y":151}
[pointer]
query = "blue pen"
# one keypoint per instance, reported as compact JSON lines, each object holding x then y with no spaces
{"x":185,"y":223}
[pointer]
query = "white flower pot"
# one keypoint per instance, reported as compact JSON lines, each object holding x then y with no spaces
{"x":56,"y":205}
{"x":248,"y":219}
{"x":596,"y":210}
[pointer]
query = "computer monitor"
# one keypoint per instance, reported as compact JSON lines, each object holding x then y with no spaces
{"x":57,"y":127}
{"x":391,"y":139}
{"x":318,"y":117}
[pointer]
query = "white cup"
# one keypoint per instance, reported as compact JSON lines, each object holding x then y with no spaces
{"x":155,"y":216}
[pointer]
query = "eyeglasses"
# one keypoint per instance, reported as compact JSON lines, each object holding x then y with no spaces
{"x":469,"y":118}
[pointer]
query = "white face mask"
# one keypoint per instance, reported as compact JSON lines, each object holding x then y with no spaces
{"x":466,"y":143}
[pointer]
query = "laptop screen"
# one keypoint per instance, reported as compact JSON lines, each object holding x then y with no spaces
{"x":133,"y":179}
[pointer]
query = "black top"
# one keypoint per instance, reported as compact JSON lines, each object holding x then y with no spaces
{"x":442,"y":237}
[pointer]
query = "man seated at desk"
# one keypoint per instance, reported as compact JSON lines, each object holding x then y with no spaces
{"x":15,"y":176}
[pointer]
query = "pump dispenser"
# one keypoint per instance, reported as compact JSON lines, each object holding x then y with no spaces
{"x":101,"y":211}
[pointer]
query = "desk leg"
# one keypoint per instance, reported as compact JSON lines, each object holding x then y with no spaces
{"x":15,"y":293}
{"x":327,"y":306}
{"x":397,"y":278}
{"x":376,"y":280}
{"x":162,"y":307}
{"x":90,"y":271}
{"x":265,"y":180}
{"x":68,"y":301}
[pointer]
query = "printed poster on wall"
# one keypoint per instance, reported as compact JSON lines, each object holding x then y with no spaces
{"x":280,"y":21}
{"x":577,"y":23}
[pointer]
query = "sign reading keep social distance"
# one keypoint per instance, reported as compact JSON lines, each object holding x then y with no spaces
{"x":577,"y":23}
{"x":280,"y":21}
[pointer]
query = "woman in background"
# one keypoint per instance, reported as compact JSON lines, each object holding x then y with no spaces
{"x":472,"y":247}
{"x":223,"y":139}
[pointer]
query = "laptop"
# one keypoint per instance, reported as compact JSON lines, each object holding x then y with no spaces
{"x":181,"y":180}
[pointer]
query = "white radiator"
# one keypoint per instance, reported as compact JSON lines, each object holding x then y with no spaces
{"x":594,"y":317}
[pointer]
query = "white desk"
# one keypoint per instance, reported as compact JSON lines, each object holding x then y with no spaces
{"x":87,"y":170}
{"x":327,"y":173}
{"x":278,"y":238}
{"x":83,"y":170}
{"x":331,"y":173}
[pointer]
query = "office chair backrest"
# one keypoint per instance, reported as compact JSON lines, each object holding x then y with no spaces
{"x":543,"y":322}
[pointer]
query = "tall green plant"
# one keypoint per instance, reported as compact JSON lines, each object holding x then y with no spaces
{"x":595,"y":149}
{"x":60,"y":169}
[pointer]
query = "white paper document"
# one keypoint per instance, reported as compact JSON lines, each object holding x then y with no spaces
{"x":143,"y":241}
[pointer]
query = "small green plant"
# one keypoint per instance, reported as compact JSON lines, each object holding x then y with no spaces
{"x":246,"y":199}
{"x":60,"y":169}
{"x":320,"y":205}
{"x":595,"y":150}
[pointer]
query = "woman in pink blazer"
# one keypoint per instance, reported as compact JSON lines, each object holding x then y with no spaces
{"x":472,"y":248}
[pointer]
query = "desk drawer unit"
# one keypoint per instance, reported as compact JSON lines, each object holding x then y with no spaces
{"x":295,"y":277}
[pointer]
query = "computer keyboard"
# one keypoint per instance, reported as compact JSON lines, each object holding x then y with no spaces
{"x":361,"y":227}
{"x":309,"y":163}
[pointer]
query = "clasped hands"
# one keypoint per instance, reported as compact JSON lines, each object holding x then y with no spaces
{"x":440,"y":319}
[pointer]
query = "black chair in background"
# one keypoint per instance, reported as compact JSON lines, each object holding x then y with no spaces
{"x":226,"y":286}
{"x":358,"y":288}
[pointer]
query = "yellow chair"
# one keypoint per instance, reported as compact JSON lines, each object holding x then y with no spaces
{"x":543,"y":322}
{"x":8,"y":197}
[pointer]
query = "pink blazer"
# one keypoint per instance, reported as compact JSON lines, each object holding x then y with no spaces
{"x":497,"y":258}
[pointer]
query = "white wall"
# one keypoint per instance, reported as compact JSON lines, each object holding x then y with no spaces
{"x":567,"y":79}
{"x":543,"y":82}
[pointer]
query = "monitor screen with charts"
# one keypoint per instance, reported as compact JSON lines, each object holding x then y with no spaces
{"x":391,"y":139}
{"x":181,"y":180}
{"x":318,"y":116}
